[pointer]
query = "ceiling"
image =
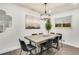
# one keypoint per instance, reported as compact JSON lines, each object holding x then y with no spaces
{"x":51,"y":7}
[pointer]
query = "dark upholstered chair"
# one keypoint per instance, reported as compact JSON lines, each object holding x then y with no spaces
{"x":26,"y":47}
{"x":60,"y":38}
{"x":46,"y":45}
{"x":56,"y":42}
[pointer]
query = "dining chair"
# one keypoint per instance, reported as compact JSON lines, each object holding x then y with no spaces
{"x":56,"y":42}
{"x":50,"y":43}
{"x":60,"y":38}
{"x":26,"y":47}
{"x":46,"y":45}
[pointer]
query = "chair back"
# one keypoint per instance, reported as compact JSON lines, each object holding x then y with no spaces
{"x":49,"y":43}
{"x":23,"y":45}
{"x":34,"y":34}
{"x":56,"y":39}
{"x":40,"y":33}
{"x":60,"y":36}
{"x":52,"y":33}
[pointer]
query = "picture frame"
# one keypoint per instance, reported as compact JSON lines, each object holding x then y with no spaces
{"x":32,"y":22}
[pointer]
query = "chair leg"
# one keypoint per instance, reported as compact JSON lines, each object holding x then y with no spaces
{"x":31,"y":53}
{"x":20,"y":51}
{"x":58,"y":44}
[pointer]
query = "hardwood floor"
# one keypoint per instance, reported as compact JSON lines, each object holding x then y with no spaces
{"x":66,"y":50}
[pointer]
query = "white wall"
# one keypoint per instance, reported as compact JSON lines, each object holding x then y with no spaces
{"x":71,"y":36}
{"x":9,"y":38}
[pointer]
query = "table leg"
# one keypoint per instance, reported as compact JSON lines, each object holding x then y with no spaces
{"x":36,"y":49}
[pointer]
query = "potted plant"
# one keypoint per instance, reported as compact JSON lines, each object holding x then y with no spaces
{"x":48,"y":25}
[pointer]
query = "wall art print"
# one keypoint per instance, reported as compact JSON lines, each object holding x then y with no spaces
{"x":5,"y":21}
{"x":32,"y":22}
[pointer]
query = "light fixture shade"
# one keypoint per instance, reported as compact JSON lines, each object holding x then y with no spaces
{"x":45,"y":15}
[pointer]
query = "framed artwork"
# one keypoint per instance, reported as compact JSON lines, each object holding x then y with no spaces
{"x":32,"y":22}
{"x":5,"y":21}
{"x":64,"y":22}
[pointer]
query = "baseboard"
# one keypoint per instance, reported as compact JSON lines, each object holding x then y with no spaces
{"x":77,"y":46}
{"x":8,"y":50}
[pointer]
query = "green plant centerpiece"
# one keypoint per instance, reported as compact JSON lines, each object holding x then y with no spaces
{"x":48,"y":25}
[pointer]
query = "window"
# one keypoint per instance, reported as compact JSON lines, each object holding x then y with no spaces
{"x":64,"y":22}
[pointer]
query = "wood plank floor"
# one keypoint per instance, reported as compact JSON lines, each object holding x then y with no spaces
{"x":66,"y":50}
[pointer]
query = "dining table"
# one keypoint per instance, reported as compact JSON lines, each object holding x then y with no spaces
{"x":39,"y":39}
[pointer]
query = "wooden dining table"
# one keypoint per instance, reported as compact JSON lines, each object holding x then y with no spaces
{"x":38,"y":39}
